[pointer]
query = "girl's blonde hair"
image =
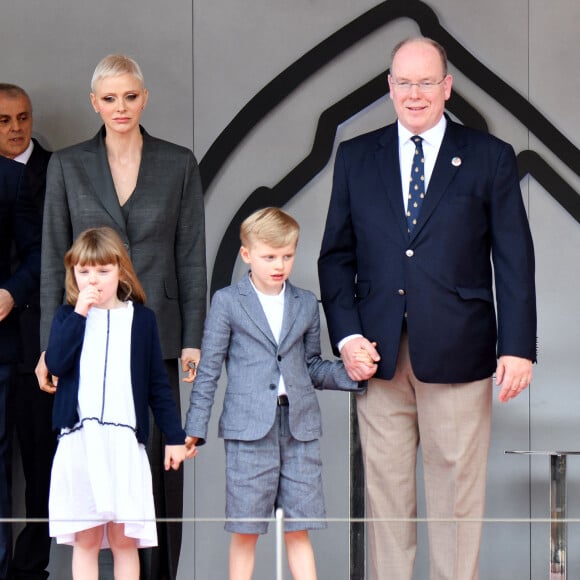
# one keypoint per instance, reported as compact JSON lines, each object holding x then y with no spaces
{"x":98,"y":247}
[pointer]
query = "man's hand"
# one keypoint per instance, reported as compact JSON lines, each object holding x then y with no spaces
{"x":513,"y":374}
{"x":189,"y":361}
{"x":6,"y":303}
{"x":357,"y":368}
{"x":45,"y":381}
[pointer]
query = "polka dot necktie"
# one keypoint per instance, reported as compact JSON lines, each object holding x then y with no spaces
{"x":416,"y":184}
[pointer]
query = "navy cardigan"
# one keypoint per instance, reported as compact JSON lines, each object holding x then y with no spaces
{"x":148,"y":376}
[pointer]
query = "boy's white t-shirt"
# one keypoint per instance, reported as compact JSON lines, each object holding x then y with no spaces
{"x":273,"y":306}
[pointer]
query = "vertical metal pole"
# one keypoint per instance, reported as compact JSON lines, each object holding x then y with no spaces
{"x":558,"y":532}
{"x":357,"y":498}
{"x":279,"y":543}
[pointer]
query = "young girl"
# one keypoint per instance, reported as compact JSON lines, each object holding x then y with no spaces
{"x":105,"y":351}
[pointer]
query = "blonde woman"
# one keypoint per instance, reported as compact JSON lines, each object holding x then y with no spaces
{"x":149,"y":191}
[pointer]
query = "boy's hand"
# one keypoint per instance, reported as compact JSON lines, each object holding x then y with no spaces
{"x":174,"y":456}
{"x":359,"y":366}
{"x":364,"y":356}
{"x":190,"y":447}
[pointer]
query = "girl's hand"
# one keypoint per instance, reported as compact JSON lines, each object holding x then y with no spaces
{"x":174,"y":456}
{"x":88,"y":296}
{"x":190,"y":447}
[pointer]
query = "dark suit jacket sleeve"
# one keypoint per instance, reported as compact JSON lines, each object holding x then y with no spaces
{"x":337,"y":261}
{"x":27,"y":236}
{"x":56,"y":240}
{"x":35,"y":176}
{"x":513,"y":260}
{"x":190,"y":257}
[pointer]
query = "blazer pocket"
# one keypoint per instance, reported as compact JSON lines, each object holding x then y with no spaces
{"x":474,"y":293}
{"x":310,"y":410}
{"x":171,"y":289}
{"x":236,"y":412}
{"x":363,"y":289}
{"x":473,"y":195}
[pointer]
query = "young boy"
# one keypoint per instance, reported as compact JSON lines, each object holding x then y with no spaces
{"x":268,"y":332}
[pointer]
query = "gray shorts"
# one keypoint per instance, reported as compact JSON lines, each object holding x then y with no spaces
{"x":276,"y":471}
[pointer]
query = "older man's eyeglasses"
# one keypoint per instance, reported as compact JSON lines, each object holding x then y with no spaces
{"x":424,"y":86}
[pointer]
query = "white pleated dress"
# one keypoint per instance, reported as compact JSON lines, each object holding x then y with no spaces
{"x":100,"y":471}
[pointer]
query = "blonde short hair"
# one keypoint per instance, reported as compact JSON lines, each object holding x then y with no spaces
{"x":271,"y":226}
{"x":98,"y":247}
{"x":115,"y":65}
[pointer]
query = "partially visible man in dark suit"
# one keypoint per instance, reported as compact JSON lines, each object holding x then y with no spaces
{"x":20,"y":224}
{"x":419,"y":212}
{"x":31,"y":408}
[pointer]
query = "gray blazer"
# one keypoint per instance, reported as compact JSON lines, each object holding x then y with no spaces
{"x":164,"y":231}
{"x":237,"y":332}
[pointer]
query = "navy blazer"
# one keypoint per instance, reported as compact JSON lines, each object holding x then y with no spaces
{"x":373,"y":274}
{"x":237,"y":332}
{"x":20,"y":228}
{"x":148,"y":376}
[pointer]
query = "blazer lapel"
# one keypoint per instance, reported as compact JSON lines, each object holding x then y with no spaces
{"x":250,"y":303}
{"x":99,"y":173}
{"x":292,"y":306}
{"x":387,"y":157}
{"x":151,"y":168}
{"x":443,"y":173}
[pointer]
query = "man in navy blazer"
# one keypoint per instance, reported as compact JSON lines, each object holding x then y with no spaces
{"x":413,"y":274}
{"x":30,"y":407}
{"x":19,"y":225}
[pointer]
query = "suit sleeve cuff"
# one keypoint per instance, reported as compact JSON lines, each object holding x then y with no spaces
{"x":346,"y":339}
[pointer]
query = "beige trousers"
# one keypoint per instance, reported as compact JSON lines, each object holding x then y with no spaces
{"x":452,"y":423}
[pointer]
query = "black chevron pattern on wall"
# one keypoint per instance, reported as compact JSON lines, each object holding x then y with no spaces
{"x":332,"y":47}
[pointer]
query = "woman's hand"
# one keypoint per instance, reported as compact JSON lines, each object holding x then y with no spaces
{"x":189,"y":361}
{"x":46,"y":382}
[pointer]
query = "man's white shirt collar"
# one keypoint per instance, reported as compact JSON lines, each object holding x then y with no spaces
{"x":25,"y":155}
{"x":433,"y":136}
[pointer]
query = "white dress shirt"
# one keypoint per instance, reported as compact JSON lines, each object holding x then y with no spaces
{"x":432,"y":139}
